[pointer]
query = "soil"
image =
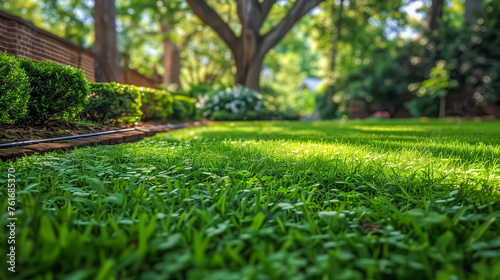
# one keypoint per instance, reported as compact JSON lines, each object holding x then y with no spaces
{"x":60,"y":128}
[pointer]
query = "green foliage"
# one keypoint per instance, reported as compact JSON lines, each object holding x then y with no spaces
{"x":280,"y":91}
{"x":14,"y":89}
{"x":69,"y":19}
{"x":59,"y":91}
{"x":196,"y":90}
{"x":383,"y":81}
{"x":369,"y":199}
{"x":327,"y":112}
{"x":237,"y":100}
{"x":435,"y":87}
{"x":424,"y":106}
{"x":477,"y":57}
{"x":184,"y":107}
{"x":112,"y":102}
{"x":228,"y":116}
{"x":465,"y":58}
{"x":156,"y":104}
{"x":438,"y":82}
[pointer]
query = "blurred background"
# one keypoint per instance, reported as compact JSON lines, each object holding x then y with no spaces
{"x":344,"y":59}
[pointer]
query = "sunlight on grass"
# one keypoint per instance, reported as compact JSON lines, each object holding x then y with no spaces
{"x":270,"y":200}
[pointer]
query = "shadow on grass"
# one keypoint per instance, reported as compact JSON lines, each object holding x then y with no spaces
{"x":465,"y":142}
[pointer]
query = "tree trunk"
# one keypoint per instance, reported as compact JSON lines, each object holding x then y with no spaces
{"x":251,"y":47}
{"x":172,"y":63}
{"x":331,"y":72}
{"x":248,"y":74}
{"x":472,"y":7}
{"x":248,"y":60}
{"x":171,"y":59}
{"x":435,"y":13}
{"x":107,"y":60}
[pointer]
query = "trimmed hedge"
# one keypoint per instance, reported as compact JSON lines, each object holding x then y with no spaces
{"x":113,"y":102}
{"x":156,"y":104}
{"x":59,"y":91}
{"x":14,"y":89}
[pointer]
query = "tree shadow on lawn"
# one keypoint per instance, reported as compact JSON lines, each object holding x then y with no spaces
{"x":335,"y":178}
{"x":450,"y":144}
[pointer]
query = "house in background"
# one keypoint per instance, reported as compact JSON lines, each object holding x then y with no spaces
{"x":311,"y":84}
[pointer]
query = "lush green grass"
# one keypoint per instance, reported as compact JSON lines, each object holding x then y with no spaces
{"x":261,"y":200}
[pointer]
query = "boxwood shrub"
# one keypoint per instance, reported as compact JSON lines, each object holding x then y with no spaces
{"x":14,"y":89}
{"x":156,"y":104}
{"x":59,"y":91}
{"x":112,"y":102}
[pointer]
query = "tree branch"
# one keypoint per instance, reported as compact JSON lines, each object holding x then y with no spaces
{"x":299,"y":9}
{"x":212,"y":19}
{"x":249,"y":13}
{"x":265,"y":8}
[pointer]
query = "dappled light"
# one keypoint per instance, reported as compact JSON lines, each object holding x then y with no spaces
{"x":250,"y":139}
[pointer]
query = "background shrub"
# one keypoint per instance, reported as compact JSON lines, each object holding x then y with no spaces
{"x":112,"y":102}
{"x":425,"y":106}
{"x":184,"y":107}
{"x":59,"y":91}
{"x":237,"y":101}
{"x":156,"y":104}
{"x":14,"y":89}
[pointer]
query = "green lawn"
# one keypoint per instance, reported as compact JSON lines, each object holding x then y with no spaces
{"x":265,"y":200}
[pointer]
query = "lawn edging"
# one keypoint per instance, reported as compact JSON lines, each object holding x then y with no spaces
{"x":107,"y":139}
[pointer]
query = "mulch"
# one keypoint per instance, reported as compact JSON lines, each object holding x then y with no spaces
{"x":55,"y":129}
{"x":60,"y":128}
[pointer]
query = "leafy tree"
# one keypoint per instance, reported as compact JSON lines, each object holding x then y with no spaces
{"x":70,"y":19}
{"x":250,"y":47}
{"x":146,"y":20}
{"x":348,"y":40}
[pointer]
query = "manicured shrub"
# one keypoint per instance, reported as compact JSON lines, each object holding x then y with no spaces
{"x":237,"y":100}
{"x":112,"y":102}
{"x":59,"y":91}
{"x":156,"y":104}
{"x":14,"y":89}
{"x":184,"y":107}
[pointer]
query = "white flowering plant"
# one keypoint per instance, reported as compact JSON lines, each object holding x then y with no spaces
{"x":238,"y":102}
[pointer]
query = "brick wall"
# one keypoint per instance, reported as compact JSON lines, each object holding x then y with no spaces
{"x":20,"y":37}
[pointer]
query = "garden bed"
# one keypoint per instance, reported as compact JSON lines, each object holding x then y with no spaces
{"x":53,"y":129}
{"x":107,"y":136}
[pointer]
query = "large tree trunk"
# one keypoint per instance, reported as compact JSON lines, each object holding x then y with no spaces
{"x":171,"y":60}
{"x":107,"y":60}
{"x":248,"y":73}
{"x":248,"y":57}
{"x":472,"y":7}
{"x":251,"y":47}
{"x":435,"y":13}
{"x":172,"y":63}
{"x":335,"y":41}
